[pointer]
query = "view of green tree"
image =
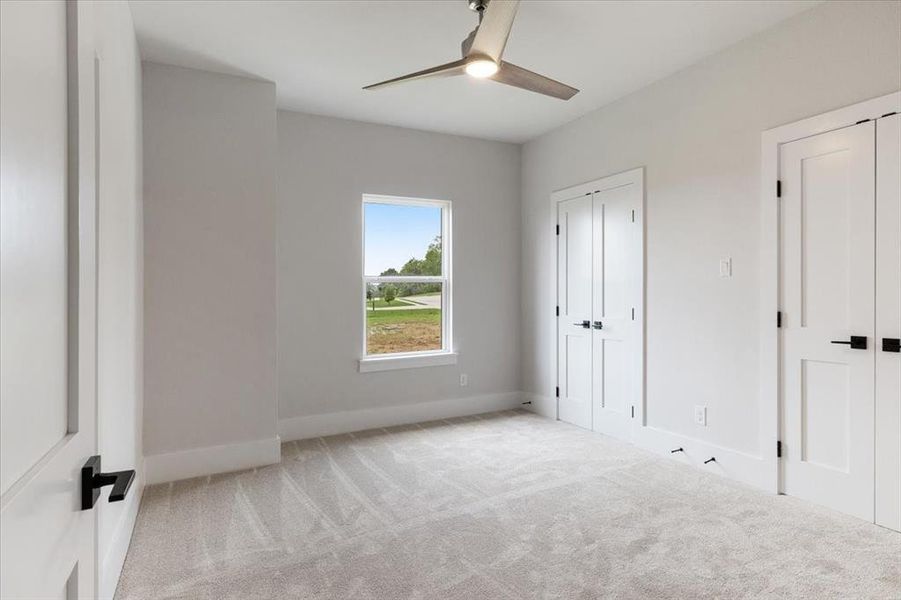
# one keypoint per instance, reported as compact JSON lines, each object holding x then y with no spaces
{"x":430,"y":265}
{"x":389,"y":293}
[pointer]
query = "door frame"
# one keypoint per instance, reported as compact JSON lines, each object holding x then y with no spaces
{"x":769,"y":393}
{"x":634,"y":176}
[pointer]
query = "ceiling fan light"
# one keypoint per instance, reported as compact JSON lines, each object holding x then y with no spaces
{"x":481,"y":68}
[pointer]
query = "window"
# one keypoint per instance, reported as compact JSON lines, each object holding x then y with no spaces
{"x":406,"y":283}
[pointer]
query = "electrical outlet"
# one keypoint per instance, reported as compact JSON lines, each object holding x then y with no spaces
{"x":726,"y":267}
{"x":701,"y":416}
{"x":464,"y":379}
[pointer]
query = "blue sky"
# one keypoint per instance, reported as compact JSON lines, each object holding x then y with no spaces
{"x":397,"y":233}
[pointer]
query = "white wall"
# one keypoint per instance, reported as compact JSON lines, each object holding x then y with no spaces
{"x":119,"y":279}
{"x":698,"y":134}
{"x":209,"y":272}
{"x":325,"y":166}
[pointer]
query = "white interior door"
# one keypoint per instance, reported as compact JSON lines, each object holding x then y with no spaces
{"x":47,"y":304}
{"x":574,"y":299}
{"x":615,"y":267}
{"x":888,"y":321}
{"x":827,"y":289}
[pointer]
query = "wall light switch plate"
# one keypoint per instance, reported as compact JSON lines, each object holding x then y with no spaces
{"x":701,"y":416}
{"x":726,"y":267}
{"x":464,"y":379}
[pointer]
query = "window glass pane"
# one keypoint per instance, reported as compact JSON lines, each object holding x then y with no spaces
{"x":403,"y":317}
{"x":402,"y":239}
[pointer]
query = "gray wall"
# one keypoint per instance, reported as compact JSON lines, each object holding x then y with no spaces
{"x":209,"y":239}
{"x":698,"y":134}
{"x":325,"y":166}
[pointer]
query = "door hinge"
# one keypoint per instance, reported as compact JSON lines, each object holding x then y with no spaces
{"x":779,"y":449}
{"x":633,"y":215}
{"x":633,"y":412}
{"x":558,"y":391}
{"x":778,"y":188}
{"x":889,"y":114}
{"x":558,"y":230}
{"x":862,"y":121}
{"x":633,"y":314}
{"x":778,"y":318}
{"x":558,"y":311}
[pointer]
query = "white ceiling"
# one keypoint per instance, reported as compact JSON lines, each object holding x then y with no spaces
{"x":320,"y":54}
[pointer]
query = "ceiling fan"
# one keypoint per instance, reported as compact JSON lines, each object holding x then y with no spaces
{"x":482,"y":51}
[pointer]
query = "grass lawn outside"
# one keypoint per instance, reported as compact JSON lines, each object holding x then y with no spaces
{"x":391,"y":331}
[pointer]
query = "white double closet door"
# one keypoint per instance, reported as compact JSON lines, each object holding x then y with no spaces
{"x":599,"y":276}
{"x":841,"y":308}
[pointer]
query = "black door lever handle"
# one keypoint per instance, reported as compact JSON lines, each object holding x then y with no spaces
{"x":583,"y":324}
{"x":92,"y":480}
{"x":891,"y":344}
{"x":598,"y":325}
{"x":857,"y":342}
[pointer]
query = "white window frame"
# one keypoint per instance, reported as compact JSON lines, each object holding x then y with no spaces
{"x":427,"y":358}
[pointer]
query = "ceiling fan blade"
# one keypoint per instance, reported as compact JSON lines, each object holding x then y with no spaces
{"x":445,"y":70}
{"x":510,"y":74}
{"x":493,"y":31}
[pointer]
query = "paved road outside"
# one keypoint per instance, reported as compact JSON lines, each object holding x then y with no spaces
{"x":416,"y":302}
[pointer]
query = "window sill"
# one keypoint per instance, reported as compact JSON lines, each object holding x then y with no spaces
{"x":409,"y":361}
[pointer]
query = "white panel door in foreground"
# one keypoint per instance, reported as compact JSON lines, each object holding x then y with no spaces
{"x":827,"y":286}
{"x":47,"y":309}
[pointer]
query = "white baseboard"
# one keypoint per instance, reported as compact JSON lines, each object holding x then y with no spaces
{"x":160,"y":468}
{"x":111,"y":564}
{"x":546,"y":406}
{"x":299,"y":428}
{"x":756,"y":471}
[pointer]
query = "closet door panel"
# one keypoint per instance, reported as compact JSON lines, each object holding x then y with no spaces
{"x":574,"y":286}
{"x":616,"y":266}
{"x":888,"y":321}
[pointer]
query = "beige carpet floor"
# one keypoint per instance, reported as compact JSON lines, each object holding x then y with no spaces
{"x":506,"y":505}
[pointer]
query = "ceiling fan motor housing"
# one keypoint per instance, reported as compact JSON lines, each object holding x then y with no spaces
{"x":478,"y":6}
